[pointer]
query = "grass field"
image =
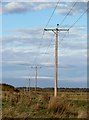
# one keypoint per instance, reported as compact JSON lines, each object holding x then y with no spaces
{"x":42,"y":104}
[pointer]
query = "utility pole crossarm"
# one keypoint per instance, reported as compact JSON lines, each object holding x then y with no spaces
{"x":63,"y":29}
{"x":35,"y":67}
{"x":49,"y":29}
{"x":56,"y":29}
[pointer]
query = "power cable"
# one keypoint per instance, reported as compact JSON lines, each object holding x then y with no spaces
{"x":76,"y":21}
{"x":52,"y":13}
{"x":44,"y":31}
{"x":68,"y":13}
{"x":64,"y":17}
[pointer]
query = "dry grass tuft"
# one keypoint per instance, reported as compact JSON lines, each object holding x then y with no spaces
{"x":62,"y":107}
{"x":41,"y":105}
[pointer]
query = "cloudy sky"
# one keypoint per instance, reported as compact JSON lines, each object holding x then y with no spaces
{"x":24,"y":45}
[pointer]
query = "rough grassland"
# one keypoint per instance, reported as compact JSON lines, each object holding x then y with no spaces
{"x":31,"y":104}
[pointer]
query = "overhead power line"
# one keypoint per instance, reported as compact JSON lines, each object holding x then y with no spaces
{"x":76,"y":22}
{"x":52,"y":13}
{"x":35,"y":59}
{"x":68,"y":13}
{"x":78,"y":18}
{"x":63,"y":18}
{"x":49,"y":46}
{"x":60,"y":24}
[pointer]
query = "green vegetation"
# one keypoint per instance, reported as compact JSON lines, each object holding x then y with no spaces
{"x":40,"y":104}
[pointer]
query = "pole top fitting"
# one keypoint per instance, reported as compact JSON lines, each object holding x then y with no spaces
{"x":57,"y":25}
{"x":57,"y":29}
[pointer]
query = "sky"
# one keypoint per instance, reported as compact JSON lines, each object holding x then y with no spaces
{"x":23,"y":44}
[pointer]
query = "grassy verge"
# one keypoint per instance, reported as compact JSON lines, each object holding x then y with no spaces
{"x":44,"y":105}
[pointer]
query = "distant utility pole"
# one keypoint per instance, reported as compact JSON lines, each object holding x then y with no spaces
{"x":36,"y":75}
{"x":29,"y":84}
{"x":56,"y":56}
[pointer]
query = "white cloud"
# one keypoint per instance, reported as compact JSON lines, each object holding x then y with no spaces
{"x":75,"y":79}
{"x":24,"y":46}
{"x":39,"y":77}
{"x":21,"y":45}
{"x":23,"y":7}
{"x":16,"y":62}
{"x":23,"y":49}
{"x":43,"y":1}
{"x":65,"y":8}
{"x":43,"y":65}
{"x":17,"y":7}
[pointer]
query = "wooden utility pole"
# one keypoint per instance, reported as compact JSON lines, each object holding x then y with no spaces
{"x":56,"y":31}
{"x":36,"y":68}
{"x":29,"y":84}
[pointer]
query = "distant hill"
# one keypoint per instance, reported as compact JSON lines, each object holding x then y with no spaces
{"x":6,"y":87}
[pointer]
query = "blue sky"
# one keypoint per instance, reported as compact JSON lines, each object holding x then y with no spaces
{"x":22,"y":27}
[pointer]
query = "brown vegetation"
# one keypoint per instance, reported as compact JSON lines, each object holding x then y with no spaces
{"x":31,"y":104}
